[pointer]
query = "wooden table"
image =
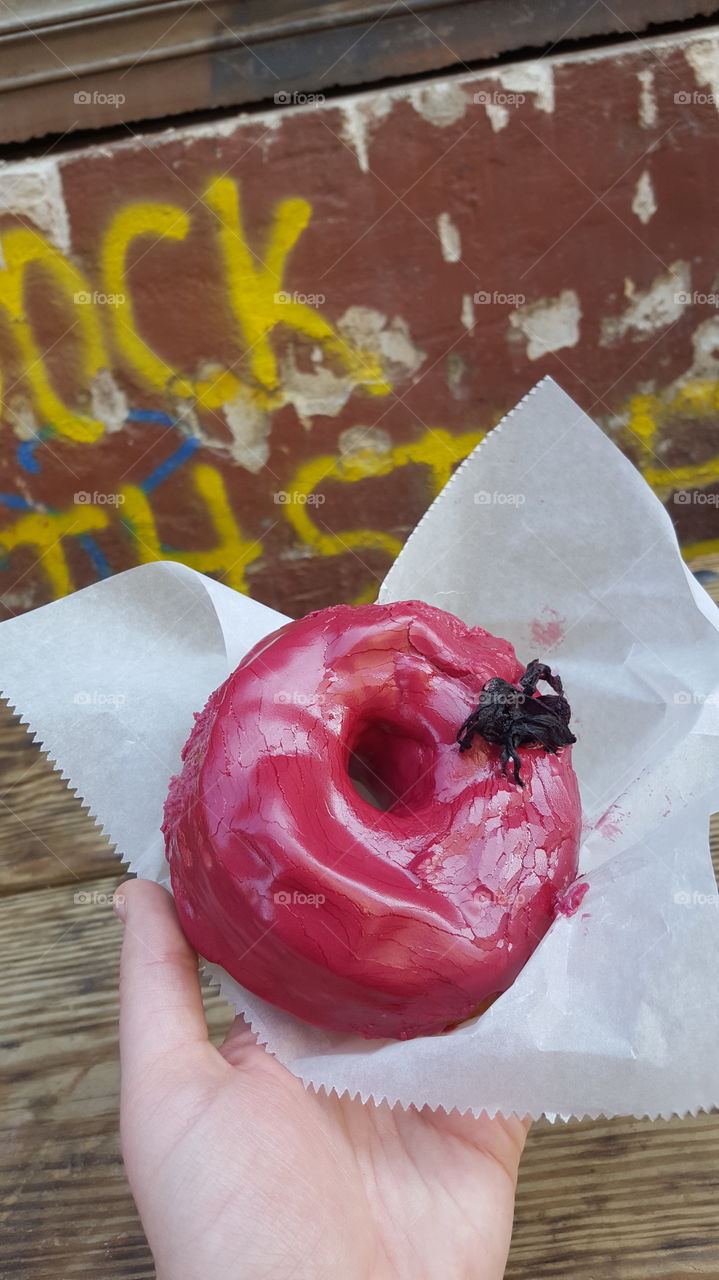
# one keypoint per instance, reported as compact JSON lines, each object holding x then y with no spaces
{"x":604,"y":1200}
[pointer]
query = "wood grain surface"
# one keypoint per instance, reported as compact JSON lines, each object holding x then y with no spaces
{"x":604,"y":1200}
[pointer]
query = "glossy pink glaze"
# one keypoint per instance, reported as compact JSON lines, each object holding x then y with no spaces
{"x":569,"y":904}
{"x":427,"y":909}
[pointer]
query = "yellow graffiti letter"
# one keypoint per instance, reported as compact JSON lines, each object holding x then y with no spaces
{"x":44,"y":531}
{"x":438,"y":450}
{"x":164,"y":221}
{"x":22,"y":246}
{"x":259,"y":300}
{"x":228,"y":557}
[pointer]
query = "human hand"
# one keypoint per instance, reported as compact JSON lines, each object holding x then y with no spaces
{"x":239,"y":1172}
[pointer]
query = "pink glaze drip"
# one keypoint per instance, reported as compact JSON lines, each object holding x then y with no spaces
{"x":384,"y":924}
{"x":548,"y":629}
{"x":572,"y":899}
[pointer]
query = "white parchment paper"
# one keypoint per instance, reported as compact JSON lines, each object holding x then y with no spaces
{"x":545,"y":535}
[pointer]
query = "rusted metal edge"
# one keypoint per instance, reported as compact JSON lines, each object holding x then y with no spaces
{"x":90,"y":66}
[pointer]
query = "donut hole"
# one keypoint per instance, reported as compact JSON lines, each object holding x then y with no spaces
{"x":389,"y":768}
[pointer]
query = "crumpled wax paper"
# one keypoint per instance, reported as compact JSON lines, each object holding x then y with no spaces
{"x":545,"y":535}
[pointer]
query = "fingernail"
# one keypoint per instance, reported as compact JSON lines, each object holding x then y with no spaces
{"x":119,"y":905}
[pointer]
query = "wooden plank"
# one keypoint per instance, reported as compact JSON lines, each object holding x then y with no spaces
{"x":618,"y":1200}
{"x":66,"y":1209}
{"x":606,"y":1200}
{"x":46,"y":837}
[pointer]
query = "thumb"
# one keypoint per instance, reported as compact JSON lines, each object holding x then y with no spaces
{"x":161,"y":1008}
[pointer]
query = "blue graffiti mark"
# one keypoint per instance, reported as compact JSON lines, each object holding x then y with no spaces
{"x":26,"y":450}
{"x":27,"y":460}
{"x":98,"y":558}
{"x":150,"y":415}
{"x":166,"y":468}
{"x":15,"y":501}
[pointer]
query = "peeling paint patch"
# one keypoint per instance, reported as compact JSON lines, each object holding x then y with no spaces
{"x":456,"y":369}
{"x":703,"y":58}
{"x":21,"y":415}
{"x":449,"y":238}
{"x":705,"y":341}
{"x":548,"y":325}
{"x":356,"y":440}
{"x":17,"y":602}
{"x":359,"y":121}
{"x":33,"y":191}
{"x":649,"y":310}
{"x":497,"y":115}
{"x":250,"y":428}
{"x":527,"y":79}
{"x":321,"y":391}
{"x":644,"y":204}
{"x":108,"y":403}
{"x":440,"y":104}
{"x":369,"y":330}
{"x":647,"y":99}
{"x":536,"y":79}
{"x":467,"y":312}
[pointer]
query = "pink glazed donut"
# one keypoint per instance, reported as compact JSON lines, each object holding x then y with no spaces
{"x":345,"y":838}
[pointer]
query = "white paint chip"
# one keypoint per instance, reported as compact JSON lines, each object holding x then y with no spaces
{"x":250,"y":426}
{"x":647,"y":99}
{"x":21,"y":416}
{"x":449,"y":238}
{"x":467,"y":312}
{"x":32,"y":190}
{"x":649,"y":310}
{"x":440,"y":104}
{"x":359,"y":122}
{"x":108,"y":402}
{"x":703,"y":58}
{"x":369,"y":330}
{"x":321,"y":391}
{"x":355,"y":441}
{"x":497,"y":115}
{"x":644,"y":204}
{"x":549,"y":324}
{"x":705,"y":342}
{"x":534,"y":79}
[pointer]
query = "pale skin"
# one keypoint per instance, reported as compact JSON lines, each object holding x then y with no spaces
{"x":241,"y":1173}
